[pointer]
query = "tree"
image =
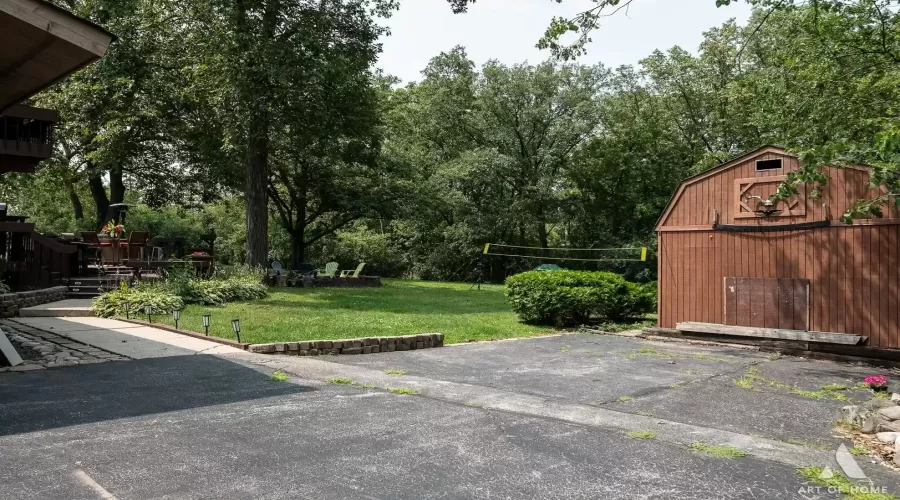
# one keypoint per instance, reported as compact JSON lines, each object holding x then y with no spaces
{"x":488,"y":152}
{"x":115,"y":113}
{"x":258,"y":58}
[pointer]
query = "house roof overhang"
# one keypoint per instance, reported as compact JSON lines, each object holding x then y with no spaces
{"x":41,"y":44}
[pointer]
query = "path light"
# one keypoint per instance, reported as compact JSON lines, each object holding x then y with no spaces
{"x":236,"y":326}
{"x":176,"y":315}
{"x":206,"y":323}
{"x":148,"y":310}
{"x":128,"y":310}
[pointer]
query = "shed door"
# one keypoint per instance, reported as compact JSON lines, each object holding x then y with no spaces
{"x":767,"y":303}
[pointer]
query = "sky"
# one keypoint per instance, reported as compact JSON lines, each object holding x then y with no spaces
{"x":507,"y":30}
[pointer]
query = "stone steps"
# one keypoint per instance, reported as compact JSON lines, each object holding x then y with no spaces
{"x":92,"y":286}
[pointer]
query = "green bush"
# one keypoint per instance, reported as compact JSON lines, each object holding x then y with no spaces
{"x":573,"y":297}
{"x":228,"y":284}
{"x":134,"y":299}
{"x":216,"y":292}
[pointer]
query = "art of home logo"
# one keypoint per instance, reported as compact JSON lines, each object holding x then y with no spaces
{"x":837,"y":484}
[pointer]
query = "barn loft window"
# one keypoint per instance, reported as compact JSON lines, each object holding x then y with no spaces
{"x":762,"y":165}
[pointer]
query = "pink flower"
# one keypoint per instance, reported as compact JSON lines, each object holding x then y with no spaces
{"x":876,"y":380}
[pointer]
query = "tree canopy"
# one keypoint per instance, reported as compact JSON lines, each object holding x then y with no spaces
{"x":261,"y":125}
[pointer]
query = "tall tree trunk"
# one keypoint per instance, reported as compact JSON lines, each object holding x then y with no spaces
{"x":254,"y":96}
{"x":101,"y":201}
{"x":256,"y":196}
{"x":298,"y":232}
{"x":77,"y":207}
{"x":116,"y":194}
{"x":542,"y":228}
{"x":298,"y":249}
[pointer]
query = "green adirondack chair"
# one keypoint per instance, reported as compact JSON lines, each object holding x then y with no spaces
{"x":353,"y":273}
{"x":330,"y":270}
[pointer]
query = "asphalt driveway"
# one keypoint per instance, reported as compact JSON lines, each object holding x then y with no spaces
{"x":539,"y":418}
{"x":676,"y":381}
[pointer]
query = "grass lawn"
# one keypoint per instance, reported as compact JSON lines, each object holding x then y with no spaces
{"x":401,"y":307}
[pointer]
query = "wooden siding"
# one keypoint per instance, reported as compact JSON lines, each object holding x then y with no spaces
{"x":767,"y":302}
{"x":853,"y":274}
{"x":697,"y":199}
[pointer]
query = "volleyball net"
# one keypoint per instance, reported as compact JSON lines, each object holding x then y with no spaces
{"x":628,"y":254}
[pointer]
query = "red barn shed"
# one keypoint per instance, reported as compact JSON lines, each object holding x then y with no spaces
{"x":728,"y":256}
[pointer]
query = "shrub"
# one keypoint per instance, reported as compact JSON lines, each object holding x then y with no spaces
{"x":216,"y":292}
{"x":134,"y":299}
{"x":572,"y":297}
{"x":180,"y":287}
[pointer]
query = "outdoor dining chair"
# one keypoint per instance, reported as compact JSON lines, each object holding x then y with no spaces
{"x":136,"y":243}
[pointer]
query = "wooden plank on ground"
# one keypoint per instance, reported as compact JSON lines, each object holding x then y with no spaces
{"x":770,"y":333}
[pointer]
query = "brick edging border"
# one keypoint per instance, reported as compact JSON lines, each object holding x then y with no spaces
{"x":220,"y":340}
{"x":367,"y":345}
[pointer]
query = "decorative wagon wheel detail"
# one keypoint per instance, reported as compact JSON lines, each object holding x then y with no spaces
{"x":765,"y":206}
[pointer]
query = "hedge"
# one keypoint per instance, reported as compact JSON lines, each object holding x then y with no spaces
{"x":573,"y":297}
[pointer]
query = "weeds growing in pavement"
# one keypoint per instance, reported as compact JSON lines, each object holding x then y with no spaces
{"x":718,"y":450}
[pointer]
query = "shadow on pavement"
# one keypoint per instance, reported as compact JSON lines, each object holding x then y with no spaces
{"x":48,"y":399}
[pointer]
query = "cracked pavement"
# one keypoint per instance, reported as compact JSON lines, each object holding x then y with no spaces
{"x":537,"y":418}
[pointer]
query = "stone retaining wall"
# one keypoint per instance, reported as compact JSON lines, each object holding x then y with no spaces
{"x":10,"y":303}
{"x":352,"y":346}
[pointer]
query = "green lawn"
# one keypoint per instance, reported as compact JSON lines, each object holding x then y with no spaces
{"x":401,"y":307}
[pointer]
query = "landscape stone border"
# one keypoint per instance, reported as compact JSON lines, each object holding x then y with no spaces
{"x":368,"y":345}
{"x":10,"y":303}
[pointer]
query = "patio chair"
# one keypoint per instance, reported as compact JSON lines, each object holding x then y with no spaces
{"x":276,"y":269}
{"x":90,"y":237}
{"x":134,"y":247}
{"x":91,"y":251}
{"x":330,"y":270}
{"x":109,"y":251}
{"x":353,"y":273}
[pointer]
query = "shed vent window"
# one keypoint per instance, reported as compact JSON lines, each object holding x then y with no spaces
{"x":768,"y":165}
